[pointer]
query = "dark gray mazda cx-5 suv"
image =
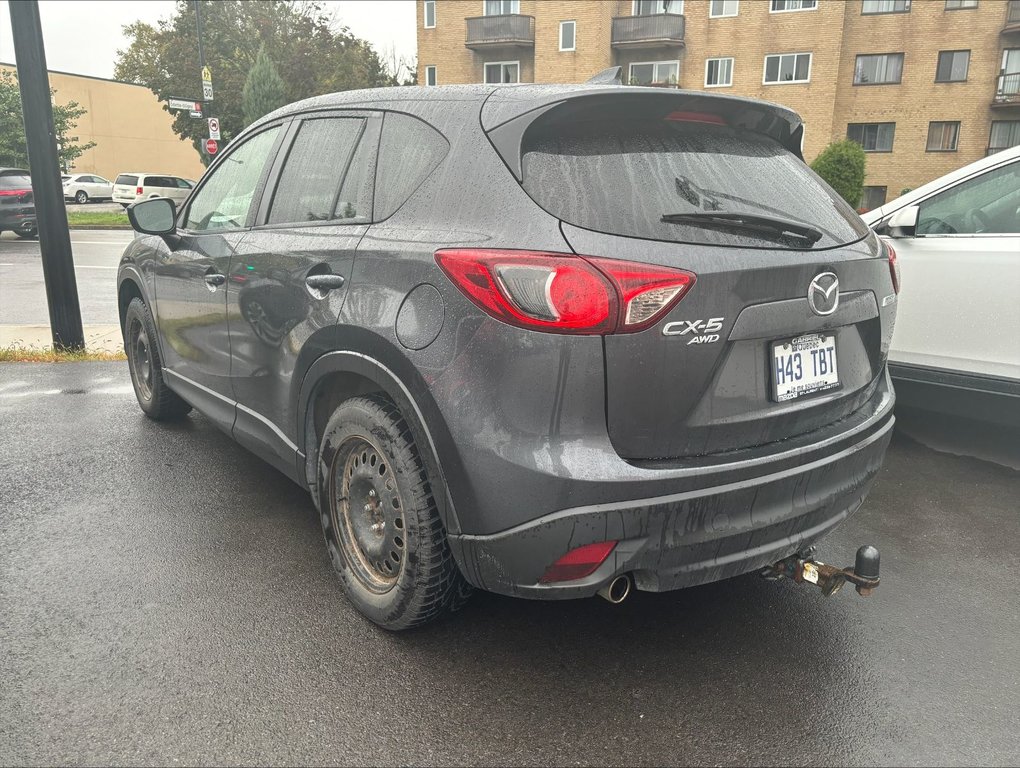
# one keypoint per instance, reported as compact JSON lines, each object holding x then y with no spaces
{"x":528,"y":339}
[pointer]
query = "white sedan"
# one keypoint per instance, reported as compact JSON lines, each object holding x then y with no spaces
{"x":82,"y":187}
{"x":957,"y":242}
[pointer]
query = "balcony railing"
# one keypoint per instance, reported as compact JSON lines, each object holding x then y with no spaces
{"x":1007,"y":90}
{"x":656,"y":30}
{"x":1012,"y":16}
{"x":511,"y":29}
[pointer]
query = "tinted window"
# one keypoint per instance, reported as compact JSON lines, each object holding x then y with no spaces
{"x":129,"y":181}
{"x":159,"y":181}
{"x":309,"y":184}
{"x":355,"y":201}
{"x":182,"y":184}
{"x":225,"y":197}
{"x":15,"y":181}
{"x":623,"y":176}
{"x":408,"y":152}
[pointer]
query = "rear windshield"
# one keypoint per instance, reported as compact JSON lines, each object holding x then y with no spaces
{"x":15,"y":181}
{"x":624,"y":176}
{"x":128,"y":181}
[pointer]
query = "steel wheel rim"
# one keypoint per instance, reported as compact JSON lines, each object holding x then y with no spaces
{"x":368,"y":514}
{"x":141,"y":359}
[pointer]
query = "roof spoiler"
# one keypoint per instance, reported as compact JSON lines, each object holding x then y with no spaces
{"x":610,"y":76}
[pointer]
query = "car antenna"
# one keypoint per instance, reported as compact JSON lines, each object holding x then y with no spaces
{"x":610,"y":76}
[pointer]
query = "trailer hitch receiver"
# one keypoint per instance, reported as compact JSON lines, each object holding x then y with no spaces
{"x":804,"y":569}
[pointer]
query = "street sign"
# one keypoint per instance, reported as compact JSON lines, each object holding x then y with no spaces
{"x":207,"y":92}
{"x":193,"y":113}
{"x":206,"y":75}
{"x":211,"y":146}
{"x":184,"y":104}
{"x":214,"y":128}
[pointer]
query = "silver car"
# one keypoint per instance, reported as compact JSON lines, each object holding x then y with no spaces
{"x":82,"y":187}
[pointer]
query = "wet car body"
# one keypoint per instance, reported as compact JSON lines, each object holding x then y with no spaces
{"x":539,"y":442}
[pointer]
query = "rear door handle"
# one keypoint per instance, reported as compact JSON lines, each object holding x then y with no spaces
{"x":324,"y":282}
{"x":215,"y":279}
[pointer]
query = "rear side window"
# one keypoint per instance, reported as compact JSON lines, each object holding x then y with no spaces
{"x":408,"y":152}
{"x":15,"y":181}
{"x":126,"y":180}
{"x":309,"y":186}
{"x":158,"y":181}
{"x":623,"y":176}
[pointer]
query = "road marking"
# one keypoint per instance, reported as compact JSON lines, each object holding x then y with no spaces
{"x":91,"y":266}
{"x":8,"y":265}
{"x":124,"y":390}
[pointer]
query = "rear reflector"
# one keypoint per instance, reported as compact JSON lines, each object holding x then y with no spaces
{"x":578,"y":563}
{"x":695,"y":117}
{"x":563,"y":292}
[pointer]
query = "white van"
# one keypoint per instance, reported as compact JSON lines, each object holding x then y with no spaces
{"x":131,"y":187}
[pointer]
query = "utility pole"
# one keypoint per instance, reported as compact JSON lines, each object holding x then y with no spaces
{"x":54,"y":237}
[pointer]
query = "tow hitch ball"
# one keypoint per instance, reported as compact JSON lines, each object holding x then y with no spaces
{"x":803,"y":568}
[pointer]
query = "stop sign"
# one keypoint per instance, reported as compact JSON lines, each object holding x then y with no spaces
{"x":211,"y":146}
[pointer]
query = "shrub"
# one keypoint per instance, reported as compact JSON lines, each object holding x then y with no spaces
{"x":841,"y":164}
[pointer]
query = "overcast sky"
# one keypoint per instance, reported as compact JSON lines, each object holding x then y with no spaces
{"x":83,"y":36}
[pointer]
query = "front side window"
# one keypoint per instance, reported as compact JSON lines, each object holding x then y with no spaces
{"x":952,"y":66}
{"x":654,"y":7}
{"x":503,"y":72}
{"x":943,"y":136}
{"x":502,"y":7}
{"x":873,"y":137}
{"x":226,"y":196}
{"x":567,"y":30}
{"x":309,"y":185}
{"x":986,"y":204}
{"x":878,"y":69}
{"x":719,"y":72}
{"x":720,"y":8}
{"x":959,"y":5}
{"x":430,"y":75}
{"x":430,"y":14}
{"x":1003,"y":135}
{"x":873,"y":197}
{"x":781,"y":6}
{"x":655,"y":73}
{"x":788,"y":68}
{"x":885,"y":6}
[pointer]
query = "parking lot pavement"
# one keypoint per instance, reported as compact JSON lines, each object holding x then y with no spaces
{"x":165,"y":596}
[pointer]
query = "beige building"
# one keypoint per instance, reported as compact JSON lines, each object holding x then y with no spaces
{"x":130,"y":127}
{"x":926,"y":86}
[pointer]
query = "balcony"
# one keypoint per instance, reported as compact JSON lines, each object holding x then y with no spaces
{"x":509,"y":29}
{"x":653,"y":31}
{"x":1007,"y":90}
{"x":1012,"y":17}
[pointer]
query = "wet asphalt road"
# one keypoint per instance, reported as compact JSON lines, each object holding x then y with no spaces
{"x":165,"y":597}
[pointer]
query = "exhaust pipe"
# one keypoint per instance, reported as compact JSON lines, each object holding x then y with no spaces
{"x":617,"y":590}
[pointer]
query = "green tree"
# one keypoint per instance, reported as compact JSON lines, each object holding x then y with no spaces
{"x":841,"y":164}
{"x":311,"y":54}
{"x":263,"y":90}
{"x":13,"y":146}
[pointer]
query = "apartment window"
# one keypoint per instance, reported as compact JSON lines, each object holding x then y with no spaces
{"x":782,"y":6}
{"x":878,"y":69}
{"x":873,"y":197}
{"x":655,"y":73}
{"x":884,"y":6}
{"x":943,"y":136}
{"x":959,"y":5}
{"x":788,"y":68}
{"x":654,"y":7}
{"x":501,"y":7}
{"x":720,"y":8}
{"x":1004,"y":134}
{"x":719,"y":72}
{"x":952,"y":66}
{"x":430,"y":14}
{"x":568,"y":31}
{"x":873,"y":137}
{"x":430,"y":75}
{"x":503,"y":72}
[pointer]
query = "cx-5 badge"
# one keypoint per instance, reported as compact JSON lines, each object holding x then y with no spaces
{"x":823,"y":293}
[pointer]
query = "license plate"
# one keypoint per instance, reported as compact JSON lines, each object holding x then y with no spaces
{"x":803,"y":366}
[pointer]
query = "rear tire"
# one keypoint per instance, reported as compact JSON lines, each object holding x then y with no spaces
{"x":379,"y":518}
{"x":155,"y":398}
{"x":27,"y":234}
{"x":81,"y":197}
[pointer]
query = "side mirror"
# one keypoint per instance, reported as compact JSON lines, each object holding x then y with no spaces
{"x":155,"y":216}
{"x":903,"y":223}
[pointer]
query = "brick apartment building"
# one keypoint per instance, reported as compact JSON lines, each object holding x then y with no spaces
{"x":926,"y":86}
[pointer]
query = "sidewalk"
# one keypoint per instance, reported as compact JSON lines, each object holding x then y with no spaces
{"x":98,"y":338}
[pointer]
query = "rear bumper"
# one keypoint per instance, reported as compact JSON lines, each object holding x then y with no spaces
{"x":24,"y":219}
{"x":734,"y":523}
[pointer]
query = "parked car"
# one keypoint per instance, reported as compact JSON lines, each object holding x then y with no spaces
{"x":17,"y":206}
{"x":131,"y":187}
{"x":957,"y":240}
{"x":82,"y":187}
{"x":548,"y":341}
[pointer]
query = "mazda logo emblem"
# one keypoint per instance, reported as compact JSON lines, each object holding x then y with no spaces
{"x":823,"y":293}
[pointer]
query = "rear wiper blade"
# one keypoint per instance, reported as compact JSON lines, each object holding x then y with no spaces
{"x":748,"y":221}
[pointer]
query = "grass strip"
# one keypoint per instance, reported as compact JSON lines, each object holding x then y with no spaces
{"x":18,"y":353}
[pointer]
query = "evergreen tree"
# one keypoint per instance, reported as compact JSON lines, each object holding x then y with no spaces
{"x":263,"y":90}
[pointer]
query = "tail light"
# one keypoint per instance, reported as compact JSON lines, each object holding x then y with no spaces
{"x":138,"y":191}
{"x":13,"y":192}
{"x":565,"y":293}
{"x":578,"y":563}
{"x":894,"y":267}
